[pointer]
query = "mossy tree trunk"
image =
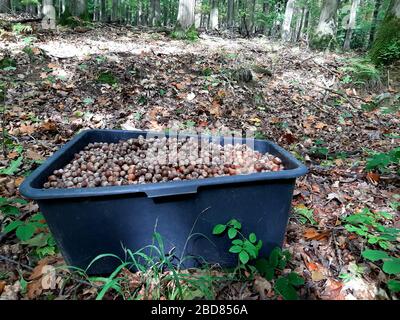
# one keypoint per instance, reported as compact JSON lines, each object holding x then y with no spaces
{"x":386,"y":47}
{"x":325,"y":34}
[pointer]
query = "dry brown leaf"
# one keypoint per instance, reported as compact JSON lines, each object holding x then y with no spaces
{"x":26,"y":129}
{"x":262,"y":286}
{"x":373,"y":177}
{"x":18,"y":181}
{"x":34,"y":289}
{"x":13,"y":155}
{"x":312,"y":266}
{"x":317,"y":276}
{"x":180,"y":86}
{"x":215,"y":108}
{"x":313,"y":234}
{"x":31,"y":154}
{"x":48,"y":126}
{"x":333,"y":290}
{"x":2,"y":285}
{"x":320,"y":125}
{"x":36,"y":51}
{"x":49,"y":277}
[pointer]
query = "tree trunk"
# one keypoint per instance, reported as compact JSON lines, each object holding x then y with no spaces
{"x":304,"y":27}
{"x":80,"y":8}
{"x":385,"y":48}
{"x":325,"y":35}
{"x":214,"y":15}
{"x":186,"y":14}
{"x":197,"y":14}
{"x":49,"y":15}
{"x":155,"y":13}
{"x":374,"y":22}
{"x":5,"y":6}
{"x":103,"y":11}
{"x":351,"y":24}
{"x":287,"y":20}
{"x":299,"y":25}
{"x":230,"y":14}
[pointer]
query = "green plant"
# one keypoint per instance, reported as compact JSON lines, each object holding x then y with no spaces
{"x":390,"y":265}
{"x":369,"y":226}
{"x":246,"y":248}
{"x":8,"y":208}
{"x":7,"y":64}
{"x":14,"y":164}
{"x":156,"y":276}
{"x":305,"y":215}
{"x":361,"y":72}
{"x":19,"y":28}
{"x":319,"y":148}
{"x":272,"y":268}
{"x":382,"y":161}
{"x":107,"y":78}
{"x":353,"y":271}
{"x":34,"y":233}
{"x":191,"y":34}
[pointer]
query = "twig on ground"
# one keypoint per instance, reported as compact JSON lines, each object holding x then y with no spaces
{"x":334,"y":72}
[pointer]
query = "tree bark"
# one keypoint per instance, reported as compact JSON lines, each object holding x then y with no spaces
{"x":5,"y":6}
{"x":197,"y":14}
{"x":388,"y":37}
{"x":351,"y":24}
{"x":325,"y":34}
{"x":299,"y":24}
{"x":374,"y":22}
{"x":287,"y":20}
{"x":230,"y":14}
{"x":155,"y":13}
{"x":185,"y":14}
{"x":214,"y":15}
{"x":103,"y":11}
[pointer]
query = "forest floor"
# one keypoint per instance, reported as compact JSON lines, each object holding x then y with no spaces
{"x":155,"y":82}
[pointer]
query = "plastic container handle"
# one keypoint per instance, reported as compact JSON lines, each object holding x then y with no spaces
{"x":174,"y":191}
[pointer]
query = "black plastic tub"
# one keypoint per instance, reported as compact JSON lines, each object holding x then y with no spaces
{"x":87,"y":222}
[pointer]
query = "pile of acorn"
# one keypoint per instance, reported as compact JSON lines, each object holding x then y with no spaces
{"x":138,"y":161}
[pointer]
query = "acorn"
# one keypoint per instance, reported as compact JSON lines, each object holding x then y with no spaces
{"x":155,"y":160}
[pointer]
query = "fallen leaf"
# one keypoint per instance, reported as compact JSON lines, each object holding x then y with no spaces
{"x":313,"y":234}
{"x":13,"y":155}
{"x":320,"y":125}
{"x":49,"y":277}
{"x":333,"y":290}
{"x":373,"y":177}
{"x":312,"y":266}
{"x":2,"y":285}
{"x":180,"y":86}
{"x":317,"y":276}
{"x":18,"y":181}
{"x":31,"y":154}
{"x":263,"y":286}
{"x":34,"y":289}
{"x":26,"y":129}
{"x":215,"y":108}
